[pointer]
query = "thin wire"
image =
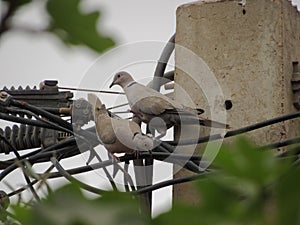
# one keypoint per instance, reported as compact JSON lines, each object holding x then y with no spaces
{"x":91,"y":90}
{"x":121,"y":112}
{"x":117,"y":106}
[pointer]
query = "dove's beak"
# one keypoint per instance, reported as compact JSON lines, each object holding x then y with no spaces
{"x":112,"y":84}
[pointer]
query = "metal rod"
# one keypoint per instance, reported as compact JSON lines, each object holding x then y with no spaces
{"x":92,"y":90}
{"x":121,"y":112}
{"x":117,"y":106}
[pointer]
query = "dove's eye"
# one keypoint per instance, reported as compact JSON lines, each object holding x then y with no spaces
{"x":119,"y":76}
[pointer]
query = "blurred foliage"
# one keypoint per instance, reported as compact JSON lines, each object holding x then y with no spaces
{"x":66,"y":21}
{"x":74,"y":27}
{"x":251,"y":187}
{"x":17,"y":3}
{"x":68,"y":206}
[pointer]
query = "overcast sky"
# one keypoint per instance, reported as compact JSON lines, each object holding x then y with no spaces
{"x":27,"y":59}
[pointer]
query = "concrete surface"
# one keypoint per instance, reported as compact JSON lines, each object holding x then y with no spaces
{"x":250,"y":53}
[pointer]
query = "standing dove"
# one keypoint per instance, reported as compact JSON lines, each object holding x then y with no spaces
{"x":157,"y":110}
{"x":118,"y":135}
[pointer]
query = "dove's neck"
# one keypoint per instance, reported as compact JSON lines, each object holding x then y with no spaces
{"x":130,"y":84}
{"x":103,"y":114}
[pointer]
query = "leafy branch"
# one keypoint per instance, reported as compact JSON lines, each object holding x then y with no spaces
{"x":67,"y":22}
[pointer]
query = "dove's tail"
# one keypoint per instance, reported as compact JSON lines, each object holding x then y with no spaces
{"x":192,"y":120}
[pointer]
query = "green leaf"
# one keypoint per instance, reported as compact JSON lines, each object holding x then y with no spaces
{"x":288,"y":197}
{"x":241,"y":192}
{"x":17,"y":3}
{"x":246,"y":162}
{"x":74,"y":27}
{"x":67,"y":206}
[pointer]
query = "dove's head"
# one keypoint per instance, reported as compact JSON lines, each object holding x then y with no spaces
{"x":97,"y":107}
{"x":121,"y":78}
{"x":100,"y":109}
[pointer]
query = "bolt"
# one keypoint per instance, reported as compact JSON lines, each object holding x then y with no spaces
{"x":3,"y":94}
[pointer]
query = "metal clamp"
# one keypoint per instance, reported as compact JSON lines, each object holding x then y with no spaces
{"x":296,"y":85}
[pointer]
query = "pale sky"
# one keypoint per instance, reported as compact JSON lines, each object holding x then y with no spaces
{"x":27,"y":59}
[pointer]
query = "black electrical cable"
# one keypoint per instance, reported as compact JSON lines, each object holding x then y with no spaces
{"x":42,"y":178}
{"x":64,"y":143}
{"x":169,"y":148}
{"x":280,"y":144}
{"x":32,"y":160}
{"x":36,"y":110}
{"x":21,"y":120}
{"x":156,"y":155}
{"x":109,"y":177}
{"x":18,"y":191}
{"x":61,"y":124}
{"x":173,"y":182}
{"x":162,"y":62}
{"x":190,"y":165}
{"x":147,"y":174}
{"x":84,"y":186}
{"x":237,"y":131}
{"x":19,"y":161}
{"x":142,"y":155}
{"x":47,"y":152}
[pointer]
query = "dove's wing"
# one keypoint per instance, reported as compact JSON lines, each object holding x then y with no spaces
{"x":102,"y":121}
{"x":125,"y":130}
{"x":153,"y":105}
{"x":105,"y":130}
{"x":149,"y":101}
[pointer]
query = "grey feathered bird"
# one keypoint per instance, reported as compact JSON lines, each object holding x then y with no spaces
{"x":161,"y":112}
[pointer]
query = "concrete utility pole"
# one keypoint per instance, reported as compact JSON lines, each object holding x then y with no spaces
{"x":250,"y":50}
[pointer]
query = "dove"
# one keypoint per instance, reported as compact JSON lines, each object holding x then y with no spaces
{"x":156,"y":109}
{"x":118,"y":135}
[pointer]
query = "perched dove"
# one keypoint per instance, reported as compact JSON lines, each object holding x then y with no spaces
{"x":157,"y":110}
{"x":118,"y":135}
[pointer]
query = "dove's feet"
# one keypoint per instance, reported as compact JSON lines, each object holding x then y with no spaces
{"x":115,"y":159}
{"x":136,"y":154}
{"x":139,"y":115}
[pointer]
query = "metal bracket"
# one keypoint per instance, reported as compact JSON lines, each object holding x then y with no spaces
{"x":81,"y":112}
{"x":296,"y":84}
